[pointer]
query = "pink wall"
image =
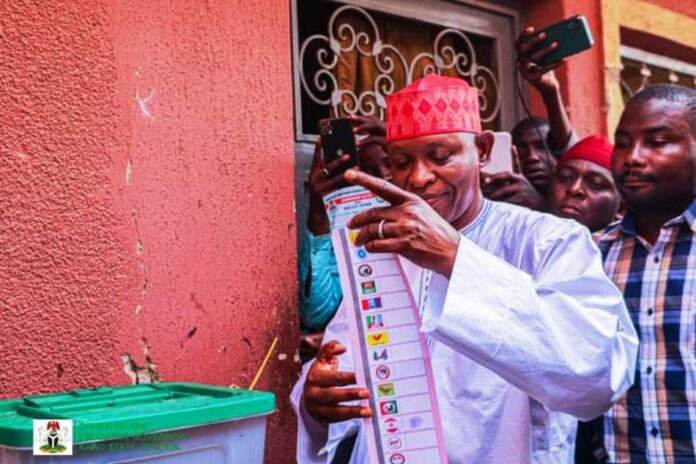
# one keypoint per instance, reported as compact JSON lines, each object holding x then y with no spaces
{"x":146,"y":195}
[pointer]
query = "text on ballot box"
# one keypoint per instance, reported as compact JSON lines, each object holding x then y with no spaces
{"x":392,"y":358}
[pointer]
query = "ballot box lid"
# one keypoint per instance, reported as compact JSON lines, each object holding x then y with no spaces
{"x":108,"y":413}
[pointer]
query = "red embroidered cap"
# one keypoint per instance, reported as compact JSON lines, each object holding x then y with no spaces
{"x":595,"y":149}
{"x":432,"y":105}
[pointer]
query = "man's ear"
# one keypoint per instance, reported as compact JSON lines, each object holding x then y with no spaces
{"x":484,"y":144}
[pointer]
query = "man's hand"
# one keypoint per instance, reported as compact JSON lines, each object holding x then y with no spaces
{"x":374,"y":128}
{"x":323,"y":394}
{"x":541,"y":77}
{"x":309,"y":345}
{"x":511,"y":188}
{"x":411,"y":227}
{"x":322,"y":180}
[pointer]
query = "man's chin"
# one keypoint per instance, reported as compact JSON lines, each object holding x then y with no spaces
{"x":643,"y":197}
{"x":570,"y":213}
{"x":438,"y":203}
{"x":540,"y":184}
{"x":441,"y":208}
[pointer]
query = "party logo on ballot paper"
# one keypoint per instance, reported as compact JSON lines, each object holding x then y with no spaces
{"x":397,"y":458}
{"x":368,"y":287}
{"x":371,"y":303}
{"x":374,"y":321}
{"x":383,"y":372}
{"x":377,"y":338}
{"x":391,"y":425}
{"x":386,"y":389}
{"x":388,"y":408}
{"x":394,"y":443}
{"x":380,"y":354}
{"x":365,"y":270}
{"x":53,"y":437}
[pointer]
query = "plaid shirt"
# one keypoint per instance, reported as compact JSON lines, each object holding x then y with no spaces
{"x":655,"y":421}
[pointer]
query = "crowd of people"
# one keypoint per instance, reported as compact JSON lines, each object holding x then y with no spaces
{"x":565,"y":291}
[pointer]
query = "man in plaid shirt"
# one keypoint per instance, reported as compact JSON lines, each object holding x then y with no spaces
{"x":651,"y":256}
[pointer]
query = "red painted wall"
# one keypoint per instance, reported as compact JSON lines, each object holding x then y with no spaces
{"x":678,"y":6}
{"x":146,"y":195}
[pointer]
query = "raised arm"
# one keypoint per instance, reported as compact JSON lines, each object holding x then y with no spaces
{"x":320,"y":286}
{"x":543,"y":78}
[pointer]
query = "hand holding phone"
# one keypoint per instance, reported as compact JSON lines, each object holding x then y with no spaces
{"x":500,"y":182}
{"x":337,"y":140}
{"x":323,"y":179}
{"x":510,"y":187}
{"x":570,"y":36}
{"x":501,"y":154}
{"x":541,"y":77}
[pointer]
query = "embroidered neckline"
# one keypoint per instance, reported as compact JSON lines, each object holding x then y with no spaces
{"x":482,"y":215}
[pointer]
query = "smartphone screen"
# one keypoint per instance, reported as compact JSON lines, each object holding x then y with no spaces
{"x":337,"y":139}
{"x":501,"y":154}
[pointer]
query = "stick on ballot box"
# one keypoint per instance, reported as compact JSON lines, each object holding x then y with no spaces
{"x":173,"y":423}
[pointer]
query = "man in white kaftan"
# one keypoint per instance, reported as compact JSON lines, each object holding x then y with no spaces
{"x":516,"y":305}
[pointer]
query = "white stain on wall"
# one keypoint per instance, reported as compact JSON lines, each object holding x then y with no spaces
{"x":142,"y":104}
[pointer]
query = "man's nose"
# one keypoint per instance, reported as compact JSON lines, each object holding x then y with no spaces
{"x":421,"y":175}
{"x":576,"y":189}
{"x":636,"y":155}
{"x":534,"y":155}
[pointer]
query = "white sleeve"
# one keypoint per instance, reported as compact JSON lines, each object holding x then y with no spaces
{"x":564,"y":336}
{"x":317,"y":443}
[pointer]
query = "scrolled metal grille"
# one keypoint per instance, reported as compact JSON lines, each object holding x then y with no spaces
{"x":319,"y":57}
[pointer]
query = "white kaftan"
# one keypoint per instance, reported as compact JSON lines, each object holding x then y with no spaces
{"x":528,"y":318}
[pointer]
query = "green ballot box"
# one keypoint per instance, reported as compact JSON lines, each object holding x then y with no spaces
{"x":172,"y":423}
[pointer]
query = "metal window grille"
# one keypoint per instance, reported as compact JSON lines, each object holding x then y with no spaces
{"x":640,"y":68}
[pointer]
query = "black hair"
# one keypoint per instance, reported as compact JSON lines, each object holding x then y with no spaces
{"x":529,"y":123}
{"x":671,"y":93}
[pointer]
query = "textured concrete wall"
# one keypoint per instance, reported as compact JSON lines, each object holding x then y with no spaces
{"x":146,"y":196}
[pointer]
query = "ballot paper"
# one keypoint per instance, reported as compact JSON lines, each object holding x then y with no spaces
{"x":390,"y":352}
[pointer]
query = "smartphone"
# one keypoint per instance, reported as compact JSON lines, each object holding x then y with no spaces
{"x":337,"y":140}
{"x":501,"y":154}
{"x":572,"y":34}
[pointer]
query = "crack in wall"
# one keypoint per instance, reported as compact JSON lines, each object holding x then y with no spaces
{"x":129,"y":171}
{"x":139,"y":249}
{"x":141,"y":374}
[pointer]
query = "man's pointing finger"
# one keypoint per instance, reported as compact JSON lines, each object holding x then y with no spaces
{"x":380,"y":187}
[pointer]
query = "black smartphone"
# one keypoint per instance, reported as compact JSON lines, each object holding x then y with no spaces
{"x":337,"y":140}
{"x":572,"y":34}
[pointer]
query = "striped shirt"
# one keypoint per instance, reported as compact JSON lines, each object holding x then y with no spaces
{"x":655,"y":421}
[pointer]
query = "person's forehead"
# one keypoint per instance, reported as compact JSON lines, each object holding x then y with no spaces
{"x":530,"y":134}
{"x":584,"y":167}
{"x":429,"y":142}
{"x":654,"y":114}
